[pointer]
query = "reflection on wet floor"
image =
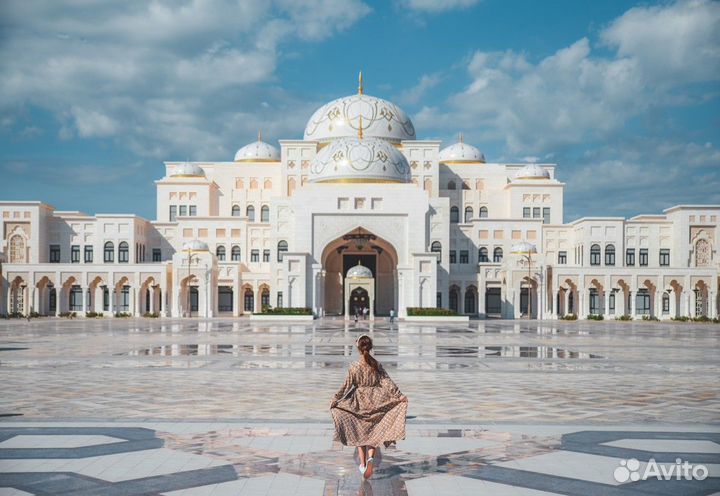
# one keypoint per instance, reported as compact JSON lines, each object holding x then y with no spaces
{"x":302,"y":351}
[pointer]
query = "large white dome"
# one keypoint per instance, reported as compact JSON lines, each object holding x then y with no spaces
{"x":341,"y":118}
{"x":259,"y":151}
{"x":461,"y":153}
{"x":360,"y":160}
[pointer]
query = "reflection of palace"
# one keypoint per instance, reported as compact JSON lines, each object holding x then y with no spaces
{"x":427,"y":227}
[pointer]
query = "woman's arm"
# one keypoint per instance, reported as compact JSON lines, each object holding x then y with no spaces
{"x":388,"y":383}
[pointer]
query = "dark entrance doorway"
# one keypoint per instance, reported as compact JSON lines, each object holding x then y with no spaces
{"x":358,"y":300}
{"x":351,"y":260}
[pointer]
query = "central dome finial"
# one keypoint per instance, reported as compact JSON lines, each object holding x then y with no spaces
{"x":360,"y":89}
{"x":360,"y":128}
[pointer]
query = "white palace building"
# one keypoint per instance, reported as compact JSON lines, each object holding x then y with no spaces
{"x":359,"y":213}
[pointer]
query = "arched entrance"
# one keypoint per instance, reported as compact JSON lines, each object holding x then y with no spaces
{"x":359,"y":299}
{"x":376,"y":254}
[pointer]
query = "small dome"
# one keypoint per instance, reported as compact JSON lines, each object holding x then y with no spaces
{"x":258,"y":151}
{"x":360,"y":160}
{"x":532,"y":171}
{"x":342,"y":118}
{"x":523,"y":248}
{"x":187,"y":169}
{"x":461,"y":153}
{"x":195,"y":245}
{"x":359,"y":271}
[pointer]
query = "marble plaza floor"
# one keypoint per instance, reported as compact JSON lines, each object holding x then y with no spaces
{"x":226,"y":406}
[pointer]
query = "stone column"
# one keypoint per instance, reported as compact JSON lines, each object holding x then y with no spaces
{"x":36,"y":300}
{"x":133,"y":301}
{"x":236,"y":301}
{"x":691,"y":303}
{"x":631,"y":296}
{"x":555,"y":296}
{"x":606,"y":297}
{"x":84,"y":294}
{"x":176,"y":302}
{"x":673,"y":303}
{"x":111,"y":300}
{"x":657,"y":303}
{"x":153,"y":294}
{"x":712,"y":305}
{"x":210,"y":290}
{"x":482,"y":291}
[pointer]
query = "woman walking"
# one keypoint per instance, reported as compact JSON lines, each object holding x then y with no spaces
{"x":368,"y":409}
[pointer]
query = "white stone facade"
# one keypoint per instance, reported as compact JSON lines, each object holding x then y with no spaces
{"x":269,"y":229}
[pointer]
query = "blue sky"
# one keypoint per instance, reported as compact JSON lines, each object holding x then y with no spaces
{"x":623,"y":96}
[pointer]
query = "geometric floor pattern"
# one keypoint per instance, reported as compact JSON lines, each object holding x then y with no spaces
{"x":199,"y":459}
{"x":224,"y":406}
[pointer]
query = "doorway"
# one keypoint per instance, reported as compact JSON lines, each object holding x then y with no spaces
{"x":358,"y":300}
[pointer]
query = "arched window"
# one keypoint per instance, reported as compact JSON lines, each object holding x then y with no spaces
{"x":123,"y":252}
{"x":17,"y":249}
{"x":666,"y":302}
{"x":468,"y":214}
{"x":265,"y":298}
{"x":610,"y":255}
{"x":436,"y":247}
{"x":109,"y":252}
{"x":265,"y":214}
{"x":236,"y":210}
{"x":235,"y":253}
{"x":497,"y":255}
{"x":595,"y":255}
{"x":466,"y":184}
{"x":291,"y":186}
{"x":427,"y":185}
{"x":454,"y":299}
{"x":249,"y":298}
{"x":483,"y":212}
{"x":220,"y":253}
{"x":250,"y":213}
{"x":483,"y":255}
{"x":282,"y":248}
{"x":454,"y":215}
{"x":469,"y":301}
{"x":267,"y":184}
{"x":451,"y":184}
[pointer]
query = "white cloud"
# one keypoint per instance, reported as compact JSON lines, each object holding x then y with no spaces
{"x":426,"y":83}
{"x":679,"y":41}
{"x":576,"y":95}
{"x":163,"y":77}
{"x":437,"y":5}
{"x":641,"y":175}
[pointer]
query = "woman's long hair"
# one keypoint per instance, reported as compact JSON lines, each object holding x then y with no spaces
{"x":364,"y":345}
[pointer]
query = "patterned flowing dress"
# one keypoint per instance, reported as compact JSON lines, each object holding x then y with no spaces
{"x":368,"y":411}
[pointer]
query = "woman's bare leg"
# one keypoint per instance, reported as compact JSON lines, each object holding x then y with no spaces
{"x":361,"y":455}
{"x":369,"y":469}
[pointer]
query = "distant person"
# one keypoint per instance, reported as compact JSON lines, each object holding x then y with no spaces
{"x":368,"y":410}
{"x":366,"y":310}
{"x":357,"y":312}
{"x":392,"y":315}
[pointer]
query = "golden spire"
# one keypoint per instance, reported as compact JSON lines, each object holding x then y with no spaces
{"x":259,"y":135}
{"x":360,"y":128}
{"x":360,"y":90}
